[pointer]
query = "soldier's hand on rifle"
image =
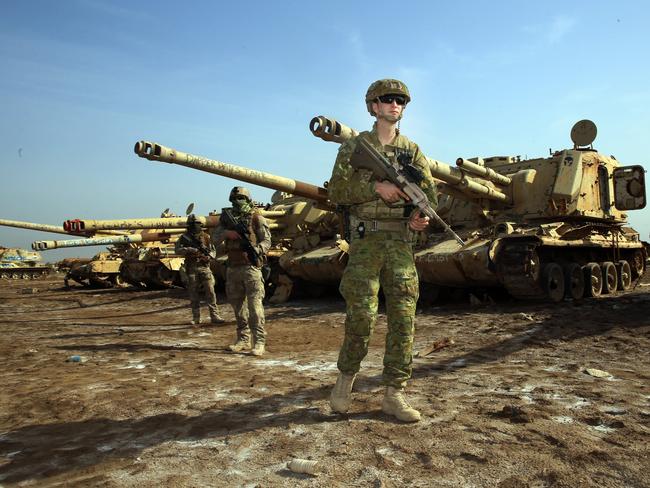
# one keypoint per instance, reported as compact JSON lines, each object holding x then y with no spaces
{"x":389,"y":192}
{"x":232,"y":235}
{"x":418,"y":222}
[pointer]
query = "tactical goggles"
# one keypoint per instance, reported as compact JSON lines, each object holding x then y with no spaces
{"x":388,"y":99}
{"x":239,"y":197}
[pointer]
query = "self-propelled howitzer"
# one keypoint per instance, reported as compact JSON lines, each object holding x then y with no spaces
{"x":544,"y":227}
{"x":305,"y":247}
{"x":20,"y":263}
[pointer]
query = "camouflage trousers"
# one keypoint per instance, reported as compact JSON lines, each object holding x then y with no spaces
{"x":197,"y":278}
{"x":245,"y":290}
{"x":378,"y":260}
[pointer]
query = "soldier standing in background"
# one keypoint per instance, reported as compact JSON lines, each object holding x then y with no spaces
{"x":247,"y":243}
{"x":195,"y":245}
{"x":382,"y":228}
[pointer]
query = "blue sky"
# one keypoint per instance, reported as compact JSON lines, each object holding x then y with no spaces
{"x":83,"y":80}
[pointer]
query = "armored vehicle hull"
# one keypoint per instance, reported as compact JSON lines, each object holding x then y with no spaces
{"x":545,"y":228}
{"x":21,"y":264}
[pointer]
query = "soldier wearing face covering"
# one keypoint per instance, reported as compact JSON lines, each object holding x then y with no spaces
{"x":195,"y":245}
{"x":244,"y":282}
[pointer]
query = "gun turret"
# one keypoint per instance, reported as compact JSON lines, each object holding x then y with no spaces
{"x":156,"y":152}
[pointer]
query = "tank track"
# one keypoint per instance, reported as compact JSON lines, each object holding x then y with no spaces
{"x":519,"y":269}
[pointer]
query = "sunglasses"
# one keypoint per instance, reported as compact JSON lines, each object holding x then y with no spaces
{"x":388,"y":99}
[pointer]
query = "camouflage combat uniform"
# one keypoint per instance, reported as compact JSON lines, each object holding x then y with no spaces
{"x":197,"y":268}
{"x":380,"y":254}
{"x":244,"y":282}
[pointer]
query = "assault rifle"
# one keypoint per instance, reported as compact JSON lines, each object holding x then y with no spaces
{"x":402,"y":174}
{"x":231,"y":223}
{"x":196,"y":244}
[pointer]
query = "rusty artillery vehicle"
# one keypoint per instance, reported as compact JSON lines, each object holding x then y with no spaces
{"x":540,"y":228}
{"x":307,"y":253}
{"x":21,"y":264}
{"x":146,"y":254}
{"x":299,"y":233}
{"x":116,"y":267}
{"x":15,"y":269}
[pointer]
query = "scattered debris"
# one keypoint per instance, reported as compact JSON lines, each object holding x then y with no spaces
{"x":304,"y":466}
{"x":436,"y":346}
{"x":119,"y":331}
{"x":527,"y":316}
{"x":597,"y":373}
{"x":29,"y":291}
{"x":77,"y":359}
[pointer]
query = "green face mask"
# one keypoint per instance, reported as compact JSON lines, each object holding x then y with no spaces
{"x":242,"y":206}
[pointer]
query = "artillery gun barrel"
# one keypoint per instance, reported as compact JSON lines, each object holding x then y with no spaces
{"x":43,"y":227}
{"x":102,"y":241}
{"x":156,"y":152}
{"x":330,"y":129}
{"x":82,"y":225}
{"x":484,"y":172}
{"x":442,"y":171}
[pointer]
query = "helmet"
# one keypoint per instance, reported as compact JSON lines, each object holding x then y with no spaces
{"x":239,"y":190}
{"x":385,"y":87}
{"x":193,"y":225}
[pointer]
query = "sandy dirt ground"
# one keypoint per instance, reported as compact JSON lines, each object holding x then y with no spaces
{"x":158,"y":403}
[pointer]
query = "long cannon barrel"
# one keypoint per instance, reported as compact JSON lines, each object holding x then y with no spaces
{"x":81,"y":225}
{"x":331,"y":130}
{"x":45,"y":228}
{"x":156,"y":152}
{"x":484,"y":172}
{"x":103,"y":241}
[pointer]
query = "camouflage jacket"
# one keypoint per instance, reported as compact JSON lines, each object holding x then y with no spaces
{"x":195,"y":259}
{"x":356,"y":188}
{"x":258,"y":233}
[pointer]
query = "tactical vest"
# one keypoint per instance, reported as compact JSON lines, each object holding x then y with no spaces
{"x":378,"y":209}
{"x":234,"y":249}
{"x":200,"y":259}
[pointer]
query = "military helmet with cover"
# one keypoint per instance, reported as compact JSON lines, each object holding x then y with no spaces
{"x":383,"y":87}
{"x":193,"y":225}
{"x":239,"y":191}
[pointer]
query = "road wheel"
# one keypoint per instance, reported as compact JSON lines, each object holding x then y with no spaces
{"x":593,"y":279}
{"x":610,"y":277}
{"x":15,"y":276}
{"x":553,"y":281}
{"x":624,"y":275}
{"x":574,"y":281}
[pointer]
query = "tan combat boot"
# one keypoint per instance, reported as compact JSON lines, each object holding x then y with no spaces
{"x":240,"y":345}
{"x":341,"y":396}
{"x":258,"y":350}
{"x":395,"y":404}
{"x":196,"y":318}
{"x":217,"y":319}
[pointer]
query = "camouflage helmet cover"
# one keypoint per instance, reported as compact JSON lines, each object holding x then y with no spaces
{"x":193,"y":225}
{"x":387,"y":86}
{"x":239,"y":190}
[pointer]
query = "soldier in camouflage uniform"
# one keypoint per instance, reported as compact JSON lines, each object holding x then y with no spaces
{"x":195,"y":245}
{"x":382,"y":229}
{"x":244,"y":282}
